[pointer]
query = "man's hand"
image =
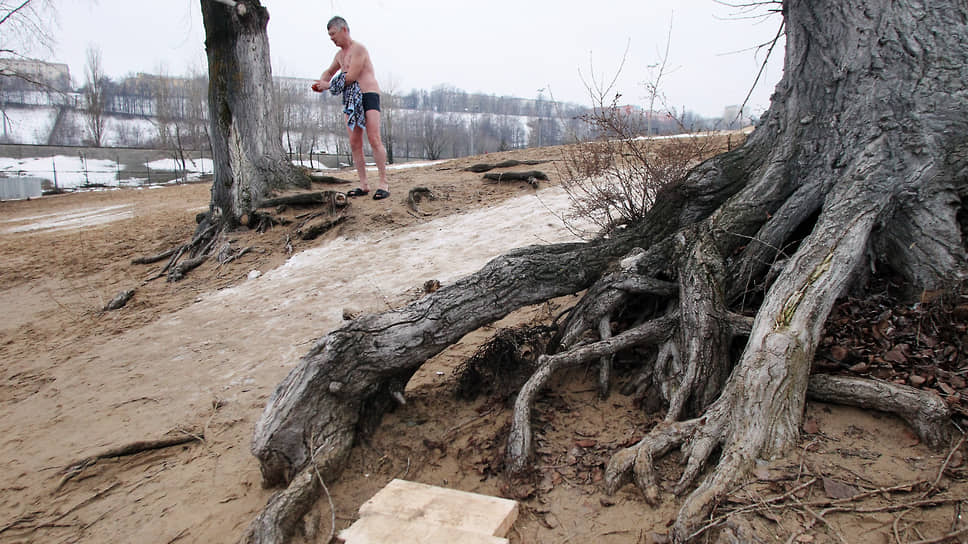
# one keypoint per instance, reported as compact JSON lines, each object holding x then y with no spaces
{"x":321,"y":86}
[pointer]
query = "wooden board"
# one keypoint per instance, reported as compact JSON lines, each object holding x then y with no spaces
{"x":380,"y":529}
{"x":429,"y":514}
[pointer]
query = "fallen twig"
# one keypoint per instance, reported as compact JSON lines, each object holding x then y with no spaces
{"x":950,"y":537}
{"x":944,"y":466}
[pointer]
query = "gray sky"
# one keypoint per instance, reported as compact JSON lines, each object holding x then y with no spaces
{"x":500,"y":47}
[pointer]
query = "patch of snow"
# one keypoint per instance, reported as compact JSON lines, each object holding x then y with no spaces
{"x":29,"y":125}
{"x":368,"y":267}
{"x":411,"y":165}
{"x":72,"y":219}
{"x":193,"y":165}
{"x":68,"y":172}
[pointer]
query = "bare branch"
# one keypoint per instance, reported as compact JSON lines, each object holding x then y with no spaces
{"x":779,"y":33}
{"x":14,"y":11}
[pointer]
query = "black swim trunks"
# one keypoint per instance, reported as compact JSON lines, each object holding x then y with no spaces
{"x":371,"y":101}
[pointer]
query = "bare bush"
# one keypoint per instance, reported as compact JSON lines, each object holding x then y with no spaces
{"x":613,"y":178}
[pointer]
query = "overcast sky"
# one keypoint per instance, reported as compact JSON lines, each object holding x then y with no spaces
{"x":502,"y":47}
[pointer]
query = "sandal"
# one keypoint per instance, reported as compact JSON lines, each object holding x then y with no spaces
{"x":380,"y":194}
{"x":357,"y":192}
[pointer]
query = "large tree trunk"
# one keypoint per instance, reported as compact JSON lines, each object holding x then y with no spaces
{"x":861,"y":163}
{"x":249,"y":159}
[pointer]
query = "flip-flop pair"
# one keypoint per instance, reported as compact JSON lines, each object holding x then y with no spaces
{"x":380,"y":194}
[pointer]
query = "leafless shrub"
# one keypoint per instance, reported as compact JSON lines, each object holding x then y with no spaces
{"x":614,"y":177}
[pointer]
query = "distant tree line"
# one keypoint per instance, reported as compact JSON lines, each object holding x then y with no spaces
{"x":441,"y":123}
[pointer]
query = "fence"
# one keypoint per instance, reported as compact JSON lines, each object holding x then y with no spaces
{"x":66,"y":167}
{"x":66,"y":172}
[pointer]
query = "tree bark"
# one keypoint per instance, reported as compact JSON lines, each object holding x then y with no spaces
{"x":249,"y":160}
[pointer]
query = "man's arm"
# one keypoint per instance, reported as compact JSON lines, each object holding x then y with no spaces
{"x":357,"y":62}
{"x":322,"y":83}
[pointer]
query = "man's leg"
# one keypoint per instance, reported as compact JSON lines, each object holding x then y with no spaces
{"x":356,"y":146}
{"x":376,"y":144}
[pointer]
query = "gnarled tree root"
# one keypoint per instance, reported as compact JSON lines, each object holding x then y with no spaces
{"x":415,"y":195}
{"x":484,"y":167}
{"x":519,"y":438}
{"x":531,"y":176}
{"x":282,"y":516}
{"x":699,"y":438}
{"x":133,"y":448}
{"x":924,"y":411}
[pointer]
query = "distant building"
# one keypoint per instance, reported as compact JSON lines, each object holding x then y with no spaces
{"x":295,"y":85}
{"x":28,"y":73}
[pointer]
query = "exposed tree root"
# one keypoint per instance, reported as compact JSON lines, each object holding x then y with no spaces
{"x":178,"y":272}
{"x":75,"y":468}
{"x":531,"y":176}
{"x":519,"y":438}
{"x":282,"y":516}
{"x":314,"y":226}
{"x":155,"y":258}
{"x":226,"y":255}
{"x":184,"y":258}
{"x":924,"y":411}
{"x":415,"y":195}
{"x":331,"y":198}
{"x":325,"y":178}
{"x":119,"y":301}
{"x":484,"y":167}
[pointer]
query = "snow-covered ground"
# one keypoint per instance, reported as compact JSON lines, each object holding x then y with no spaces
{"x":70,"y":220}
{"x":366,"y":268}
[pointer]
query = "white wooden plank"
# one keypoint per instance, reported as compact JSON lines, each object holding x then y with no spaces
{"x":381,"y":529}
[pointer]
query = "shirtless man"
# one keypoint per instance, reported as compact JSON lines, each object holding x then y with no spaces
{"x":353,"y":59}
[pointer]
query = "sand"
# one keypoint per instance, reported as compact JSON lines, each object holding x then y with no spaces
{"x":203,"y":355}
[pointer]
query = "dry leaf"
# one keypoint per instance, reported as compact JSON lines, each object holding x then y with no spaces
{"x":838,"y":490}
{"x":585,"y":443}
{"x":896,"y":355}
